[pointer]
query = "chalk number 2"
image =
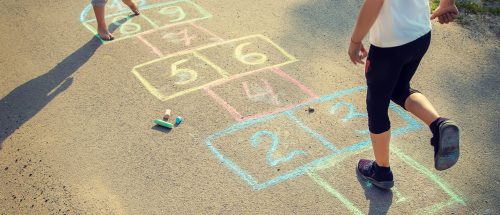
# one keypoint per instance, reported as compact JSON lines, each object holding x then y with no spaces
{"x":257,"y":139}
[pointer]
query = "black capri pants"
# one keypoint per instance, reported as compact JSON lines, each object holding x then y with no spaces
{"x":388,"y":73}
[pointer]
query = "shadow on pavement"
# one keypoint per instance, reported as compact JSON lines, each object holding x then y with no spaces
{"x":380,"y":200}
{"x":27,"y":100}
{"x":161,"y":129}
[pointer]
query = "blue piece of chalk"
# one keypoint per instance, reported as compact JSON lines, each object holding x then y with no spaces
{"x":178,"y":120}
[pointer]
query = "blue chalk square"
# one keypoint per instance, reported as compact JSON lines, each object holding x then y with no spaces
{"x":279,"y":147}
{"x":268,"y":150}
{"x":341,"y":119}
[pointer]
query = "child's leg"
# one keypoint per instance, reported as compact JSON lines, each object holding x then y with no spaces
{"x":131,"y":4}
{"x":445,"y":132}
{"x":419,"y":106}
{"x":382,"y":75}
{"x":102,"y":28}
{"x":380,"y":144}
{"x":408,"y":98}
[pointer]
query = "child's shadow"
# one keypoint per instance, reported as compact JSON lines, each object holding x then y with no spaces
{"x":26,"y":100}
{"x":380,"y":200}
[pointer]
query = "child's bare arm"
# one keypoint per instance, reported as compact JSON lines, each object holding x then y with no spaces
{"x":367,"y":16}
{"x":446,"y":12}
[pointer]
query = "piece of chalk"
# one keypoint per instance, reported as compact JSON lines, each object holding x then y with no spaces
{"x":178,"y":120}
{"x":163,"y":123}
{"x":166,"y":116}
{"x":310,"y":109}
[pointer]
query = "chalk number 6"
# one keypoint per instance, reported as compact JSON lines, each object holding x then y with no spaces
{"x":250,"y":58}
{"x":193,"y":75}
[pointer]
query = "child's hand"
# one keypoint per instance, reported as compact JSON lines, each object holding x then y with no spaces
{"x":357,"y":53}
{"x":445,"y":13}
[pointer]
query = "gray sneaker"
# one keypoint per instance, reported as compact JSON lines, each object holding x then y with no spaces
{"x":446,"y":147}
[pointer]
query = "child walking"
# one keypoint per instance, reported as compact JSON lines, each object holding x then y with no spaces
{"x":99,"y":10}
{"x":399,"y":36}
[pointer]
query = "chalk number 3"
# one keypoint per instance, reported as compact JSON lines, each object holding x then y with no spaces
{"x":352,"y":113}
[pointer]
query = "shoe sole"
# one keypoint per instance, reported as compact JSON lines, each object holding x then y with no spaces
{"x":386,"y":185}
{"x":448,"y":150}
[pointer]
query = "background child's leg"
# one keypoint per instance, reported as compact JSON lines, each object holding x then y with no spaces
{"x":102,"y":28}
{"x":131,"y":4}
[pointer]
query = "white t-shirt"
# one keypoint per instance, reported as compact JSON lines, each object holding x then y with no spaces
{"x":400,"y":22}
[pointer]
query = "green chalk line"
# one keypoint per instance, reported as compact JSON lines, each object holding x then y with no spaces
{"x":335,"y":160}
{"x":454,"y":198}
{"x":400,"y":197}
{"x":440,"y":182}
{"x":435,"y":208}
{"x":320,"y":181}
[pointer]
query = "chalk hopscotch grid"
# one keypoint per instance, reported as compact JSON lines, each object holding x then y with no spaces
{"x":362,"y":146}
{"x":161,"y":54}
{"x":204,"y":15}
{"x":224,"y":74}
{"x":238,"y":116}
{"x":85,"y":12}
{"x":247,"y":177}
{"x":434,"y":208}
{"x":314,"y":165}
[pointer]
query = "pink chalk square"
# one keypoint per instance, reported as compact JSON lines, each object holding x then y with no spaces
{"x":258,"y":93}
{"x":179,"y":38}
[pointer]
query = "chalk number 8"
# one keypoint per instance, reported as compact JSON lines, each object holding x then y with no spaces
{"x":127,"y":27}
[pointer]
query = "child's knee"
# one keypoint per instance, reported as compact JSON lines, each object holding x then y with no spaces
{"x":378,"y":121}
{"x":378,"y":117}
{"x":399,"y":97}
{"x":99,"y":3}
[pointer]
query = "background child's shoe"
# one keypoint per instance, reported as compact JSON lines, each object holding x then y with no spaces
{"x":379,"y":176}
